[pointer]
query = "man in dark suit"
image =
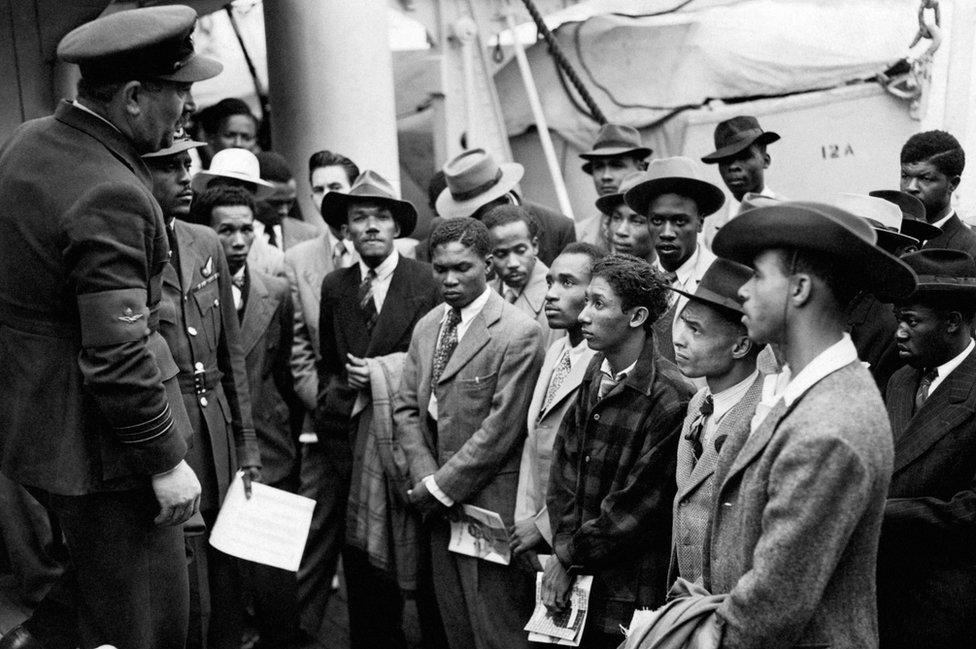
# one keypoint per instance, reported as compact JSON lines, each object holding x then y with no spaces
{"x":461,"y":415}
{"x":90,"y":414}
{"x":368,"y":310}
{"x":611,"y":483}
{"x":198,"y":321}
{"x":476,"y":183}
{"x":265,"y":312}
{"x":931,"y":168}
{"x":927,"y":555}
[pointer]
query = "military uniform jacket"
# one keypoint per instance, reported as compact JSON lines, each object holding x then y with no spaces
{"x":199,"y":321}
{"x":88,"y":400}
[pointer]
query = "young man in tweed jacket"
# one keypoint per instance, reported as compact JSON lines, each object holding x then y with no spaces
{"x":612,"y":482}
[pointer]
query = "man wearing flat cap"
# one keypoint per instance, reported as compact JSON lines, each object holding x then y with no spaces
{"x":90,"y":409}
{"x":797,"y":511}
{"x":926,"y":561}
{"x":742,"y":159}
{"x":617,"y":153}
{"x":367,"y":315}
{"x":676,"y":201}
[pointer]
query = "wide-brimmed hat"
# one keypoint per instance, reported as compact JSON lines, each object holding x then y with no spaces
{"x":913,"y":214}
{"x":148,"y":43}
{"x":734,"y":135}
{"x":819,"y":228}
{"x":720,"y":285}
{"x":615,"y":140}
{"x":473,"y":179}
{"x":237,"y":164}
{"x":884,"y":216}
{"x":369,"y":187}
{"x":678,"y":175}
{"x":943,"y":273}
{"x":179,"y":145}
{"x":608,"y":203}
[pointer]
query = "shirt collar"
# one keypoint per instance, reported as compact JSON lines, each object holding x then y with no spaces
{"x":88,"y":110}
{"x":472,"y":309}
{"x":941,"y":222}
{"x":575,"y":353}
{"x":385,"y":269}
{"x":686,"y":270}
{"x":838,"y":355}
{"x":619,"y":376}
{"x":946,"y":368}
{"x":240,"y":272}
{"x":725,"y":400}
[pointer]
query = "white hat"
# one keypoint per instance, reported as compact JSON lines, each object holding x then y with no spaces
{"x":238,"y":164}
{"x":884,"y":216}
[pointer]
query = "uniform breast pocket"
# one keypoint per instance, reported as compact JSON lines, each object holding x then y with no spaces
{"x":207,"y":299}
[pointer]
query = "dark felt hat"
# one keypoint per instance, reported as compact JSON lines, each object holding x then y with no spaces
{"x":676,"y":175}
{"x":607,"y":204}
{"x":615,"y":140}
{"x":370,"y":187}
{"x":149,"y":43}
{"x":818,"y":228}
{"x":720,"y":285}
{"x":734,"y":135}
{"x":913,"y":214}
{"x":943,"y":273}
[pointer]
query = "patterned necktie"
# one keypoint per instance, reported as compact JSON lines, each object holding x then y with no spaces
{"x":923,"y":387}
{"x":366,"y":303}
{"x":510,"y":295}
{"x":445,"y":345}
{"x":555,"y":382}
{"x":337,"y":252}
{"x":697,"y":428}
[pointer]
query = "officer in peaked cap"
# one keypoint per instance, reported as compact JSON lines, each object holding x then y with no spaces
{"x":91,"y":418}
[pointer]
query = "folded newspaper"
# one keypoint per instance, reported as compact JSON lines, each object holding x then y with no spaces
{"x":566,"y":627}
{"x":480,"y":533}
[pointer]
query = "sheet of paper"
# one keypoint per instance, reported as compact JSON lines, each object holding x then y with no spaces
{"x":480,"y":533}
{"x":270,"y":527}
{"x":564,"y":628}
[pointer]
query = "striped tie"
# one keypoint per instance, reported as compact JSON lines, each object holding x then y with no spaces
{"x":366,"y":303}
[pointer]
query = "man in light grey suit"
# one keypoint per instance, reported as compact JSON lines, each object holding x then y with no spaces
{"x":555,"y":393}
{"x":460,"y":415}
{"x":710,"y":342}
{"x":797,"y":512}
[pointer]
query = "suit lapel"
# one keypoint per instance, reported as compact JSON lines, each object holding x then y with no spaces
{"x":755,"y":443}
{"x":947,"y":407}
{"x":319,"y":265}
{"x":395,"y":316}
{"x":476,"y":337}
{"x":535,"y":291}
{"x":570,"y":383}
{"x":900,"y":400}
{"x":686,"y":456}
{"x":347,"y":309}
{"x":258,"y":311}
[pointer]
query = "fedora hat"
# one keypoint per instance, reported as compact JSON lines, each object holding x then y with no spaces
{"x":943,"y":273}
{"x":615,"y":140}
{"x":734,"y":135}
{"x":674,"y":176}
{"x":720,"y":285}
{"x":473,"y":179}
{"x":237,"y":164}
{"x":147,"y":43}
{"x":884,"y":216}
{"x":369,"y":187}
{"x":913,"y":214}
{"x":819,"y":228}
{"x":607,"y":204}
{"x":179,"y":145}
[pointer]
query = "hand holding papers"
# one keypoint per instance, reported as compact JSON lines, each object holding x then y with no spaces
{"x":479,"y":533}
{"x":566,"y":627}
{"x":270,"y":527}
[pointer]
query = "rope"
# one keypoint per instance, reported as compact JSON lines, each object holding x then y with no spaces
{"x":563,"y":63}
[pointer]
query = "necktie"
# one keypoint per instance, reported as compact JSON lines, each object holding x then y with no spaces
{"x":271,"y":234}
{"x":697,"y":428}
{"x":445,"y":345}
{"x":174,"y":248}
{"x":923,"y":387}
{"x":366,"y":303}
{"x":555,"y":382}
{"x":337,"y":252}
{"x":669,"y":277}
{"x":608,"y":382}
{"x":238,"y":281}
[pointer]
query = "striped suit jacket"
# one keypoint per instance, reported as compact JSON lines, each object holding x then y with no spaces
{"x":927,"y":554}
{"x":693,"y":500}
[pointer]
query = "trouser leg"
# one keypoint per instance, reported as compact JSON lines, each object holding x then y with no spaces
{"x":375,"y":603}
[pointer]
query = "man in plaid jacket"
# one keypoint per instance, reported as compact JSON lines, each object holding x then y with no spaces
{"x":612,"y":480}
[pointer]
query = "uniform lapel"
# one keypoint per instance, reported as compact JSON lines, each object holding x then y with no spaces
{"x":258,"y":311}
{"x":947,"y":408}
{"x":171,"y":279}
{"x":188,"y":255}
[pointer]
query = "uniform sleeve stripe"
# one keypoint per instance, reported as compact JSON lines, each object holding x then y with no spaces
{"x":149,"y":430}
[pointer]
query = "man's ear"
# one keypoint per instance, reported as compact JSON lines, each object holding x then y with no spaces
{"x":638,"y":317}
{"x":131,"y":96}
{"x":535,"y":246}
{"x":766,"y":160}
{"x":954,"y":182}
{"x":953,"y":322}
{"x":800,"y":288}
{"x":742,"y":347}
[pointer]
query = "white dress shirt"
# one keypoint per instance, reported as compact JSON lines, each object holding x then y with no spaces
{"x":944,"y":370}
{"x":723,"y":402}
{"x":838,"y":355}
{"x":941,"y":222}
{"x":238,"y":294}
{"x":384,"y":274}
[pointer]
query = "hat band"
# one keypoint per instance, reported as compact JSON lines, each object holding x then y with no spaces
{"x":615,"y":144}
{"x":947,"y":281}
{"x":161,"y":60}
{"x":477,"y":191}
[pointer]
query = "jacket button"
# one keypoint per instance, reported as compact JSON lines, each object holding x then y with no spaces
{"x":203,"y":401}
{"x":587,"y":459}
{"x":216,"y":302}
{"x":596,"y":417}
{"x":191,"y":330}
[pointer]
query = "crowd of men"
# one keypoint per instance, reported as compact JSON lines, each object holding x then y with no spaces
{"x":757,"y":417}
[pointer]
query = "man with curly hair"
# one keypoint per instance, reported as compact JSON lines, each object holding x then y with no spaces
{"x":931,"y":167}
{"x":612,"y":480}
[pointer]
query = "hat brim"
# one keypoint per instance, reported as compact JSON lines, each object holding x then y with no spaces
{"x":335,"y":206}
{"x":449,"y":208}
{"x":919,"y":229}
{"x":891,"y":241}
{"x":641,"y":152}
{"x":608,"y":203}
{"x":177,"y":147}
{"x":930,"y":286}
{"x":766,"y":137}
{"x":785,"y":226}
{"x":707,"y":196}
{"x":263,"y":189}
{"x":711,"y":298}
{"x":197,"y":68}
